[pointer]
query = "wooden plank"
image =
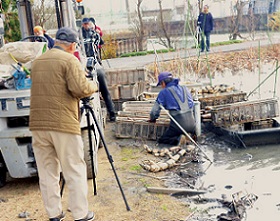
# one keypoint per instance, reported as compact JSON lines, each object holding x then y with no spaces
{"x":140,"y":114}
{"x":175,"y":190}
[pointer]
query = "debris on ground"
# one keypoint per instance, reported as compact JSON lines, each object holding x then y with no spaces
{"x":237,"y":207}
{"x":173,"y":154}
{"x":24,"y":214}
{"x":3,"y":200}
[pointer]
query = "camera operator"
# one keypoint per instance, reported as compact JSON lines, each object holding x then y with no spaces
{"x":58,"y":84}
{"x":92,"y":40}
{"x":99,"y":31}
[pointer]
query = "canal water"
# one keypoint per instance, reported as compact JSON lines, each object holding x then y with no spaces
{"x":254,"y":170}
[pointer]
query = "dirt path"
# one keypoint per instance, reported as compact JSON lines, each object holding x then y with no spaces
{"x":22,"y":195}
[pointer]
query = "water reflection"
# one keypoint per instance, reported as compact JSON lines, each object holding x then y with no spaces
{"x":252,"y":170}
{"x":254,"y":157}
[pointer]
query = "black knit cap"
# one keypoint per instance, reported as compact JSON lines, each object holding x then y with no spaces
{"x":67,"y":34}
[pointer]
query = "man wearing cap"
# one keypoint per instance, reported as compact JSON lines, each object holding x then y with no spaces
{"x":91,"y":36}
{"x":178,"y":101}
{"x":39,"y":31}
{"x":89,"y":33}
{"x":96,"y":28}
{"x":58,"y":84}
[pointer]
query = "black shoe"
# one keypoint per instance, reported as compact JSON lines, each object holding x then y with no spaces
{"x":58,"y":218}
{"x":112,"y":117}
{"x":89,"y":217}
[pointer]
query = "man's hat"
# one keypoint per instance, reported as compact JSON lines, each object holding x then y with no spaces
{"x":162,"y":76}
{"x":85,"y":20}
{"x":67,"y":34}
{"x":92,"y":20}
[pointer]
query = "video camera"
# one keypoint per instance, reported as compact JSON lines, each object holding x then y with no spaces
{"x":91,"y":62}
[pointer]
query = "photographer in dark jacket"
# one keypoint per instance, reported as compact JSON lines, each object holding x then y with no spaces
{"x":91,"y":43}
{"x":205,"y":23}
{"x":91,"y":38}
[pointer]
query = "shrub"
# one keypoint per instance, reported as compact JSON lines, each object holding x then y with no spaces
{"x":109,"y":48}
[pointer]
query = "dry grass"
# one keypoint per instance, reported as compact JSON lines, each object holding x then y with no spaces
{"x":220,"y":62}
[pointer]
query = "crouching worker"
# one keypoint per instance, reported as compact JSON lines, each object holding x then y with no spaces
{"x":58,"y":84}
{"x":178,"y":101}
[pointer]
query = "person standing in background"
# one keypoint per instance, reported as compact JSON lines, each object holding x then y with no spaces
{"x":39,"y":31}
{"x":205,"y":23}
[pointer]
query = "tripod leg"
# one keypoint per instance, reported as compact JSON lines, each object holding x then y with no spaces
{"x":62,"y":185}
{"x":110,"y":158}
{"x":91,"y":152}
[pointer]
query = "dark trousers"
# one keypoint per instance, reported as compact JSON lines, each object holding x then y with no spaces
{"x":173,"y":133}
{"x":202,"y":44}
{"x":170,"y":136}
{"x":105,"y":92}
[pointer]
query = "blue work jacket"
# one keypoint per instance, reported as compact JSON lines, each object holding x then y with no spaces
{"x":167,"y":100}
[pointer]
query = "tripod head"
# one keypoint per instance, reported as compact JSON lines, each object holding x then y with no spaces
{"x":86,"y":100}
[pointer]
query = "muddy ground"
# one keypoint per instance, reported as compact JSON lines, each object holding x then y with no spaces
{"x":23,"y":195}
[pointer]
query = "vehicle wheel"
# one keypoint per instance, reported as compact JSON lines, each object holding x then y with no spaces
{"x":2,"y":178}
{"x":3,"y":172}
{"x":87,"y":153}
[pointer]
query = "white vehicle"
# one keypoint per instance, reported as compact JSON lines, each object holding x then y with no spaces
{"x":16,"y":154}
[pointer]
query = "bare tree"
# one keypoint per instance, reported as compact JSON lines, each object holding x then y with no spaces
{"x":200,"y":5}
{"x":251,"y":21}
{"x":139,"y":26}
{"x":127,"y":11}
{"x":44,"y":14}
{"x":165,"y":33}
{"x":237,"y":19}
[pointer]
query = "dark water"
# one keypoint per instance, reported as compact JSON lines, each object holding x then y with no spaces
{"x":253,"y":170}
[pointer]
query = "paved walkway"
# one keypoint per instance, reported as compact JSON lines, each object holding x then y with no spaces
{"x":141,"y":61}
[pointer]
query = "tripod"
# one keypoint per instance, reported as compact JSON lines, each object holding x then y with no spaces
{"x":89,"y":112}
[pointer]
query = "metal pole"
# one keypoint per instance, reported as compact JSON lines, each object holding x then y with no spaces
{"x":24,"y":18}
{"x":197,"y":118}
{"x":58,"y":15}
{"x":275,"y":80}
{"x":182,"y":129}
{"x":259,"y":51}
{"x":263,"y":82}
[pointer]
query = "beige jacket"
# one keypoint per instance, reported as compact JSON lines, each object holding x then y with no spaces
{"x":58,"y":83}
